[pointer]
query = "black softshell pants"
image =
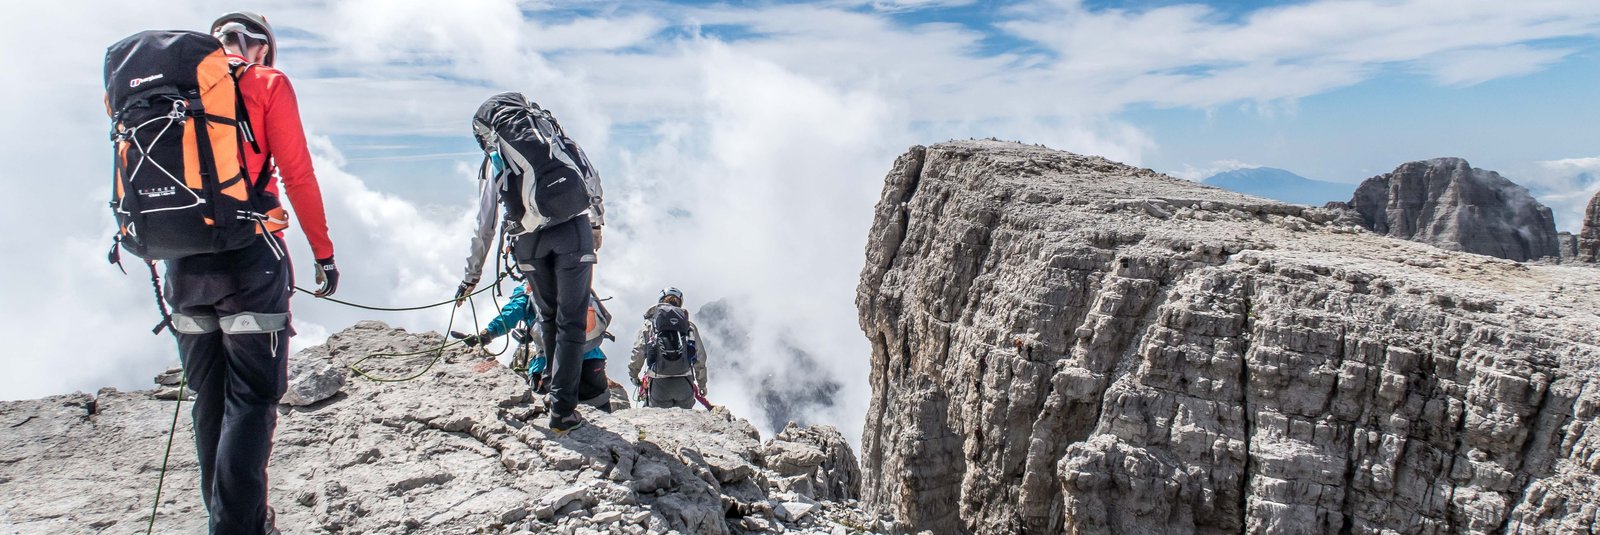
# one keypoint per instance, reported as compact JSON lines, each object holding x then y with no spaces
{"x":237,"y":378}
{"x":560,"y":261}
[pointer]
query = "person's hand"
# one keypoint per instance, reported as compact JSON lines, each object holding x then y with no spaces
{"x":636,"y":381}
{"x":327,"y":277}
{"x":596,"y":238}
{"x":471,"y":340}
{"x":463,"y":291}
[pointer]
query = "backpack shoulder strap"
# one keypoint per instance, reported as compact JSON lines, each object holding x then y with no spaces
{"x":241,"y":113}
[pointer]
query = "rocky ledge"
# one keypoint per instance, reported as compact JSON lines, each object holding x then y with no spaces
{"x":1062,"y":343}
{"x":461,"y":449}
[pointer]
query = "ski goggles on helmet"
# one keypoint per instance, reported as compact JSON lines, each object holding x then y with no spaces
{"x":237,"y":28}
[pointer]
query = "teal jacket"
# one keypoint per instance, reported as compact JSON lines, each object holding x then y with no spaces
{"x":520,"y":310}
{"x":517,"y":310}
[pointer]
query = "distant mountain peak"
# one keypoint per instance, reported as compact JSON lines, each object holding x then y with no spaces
{"x":1280,"y":184}
{"x":1448,"y":203}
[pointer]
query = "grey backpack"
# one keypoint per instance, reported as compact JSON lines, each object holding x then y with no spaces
{"x":671,"y":353}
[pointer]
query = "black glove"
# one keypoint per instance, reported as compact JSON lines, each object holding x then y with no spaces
{"x":327,"y":277}
{"x":472,"y":340}
{"x":463,"y":291}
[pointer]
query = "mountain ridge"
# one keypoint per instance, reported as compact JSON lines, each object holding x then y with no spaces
{"x":1280,"y":185}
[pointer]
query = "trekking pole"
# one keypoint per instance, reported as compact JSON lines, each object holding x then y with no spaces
{"x":699,"y":397}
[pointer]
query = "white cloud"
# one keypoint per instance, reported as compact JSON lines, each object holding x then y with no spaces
{"x":763,"y":199}
{"x":1474,"y":66}
{"x":1191,"y":55}
{"x":1565,"y":185}
{"x":905,"y":5}
{"x":1197,"y":174}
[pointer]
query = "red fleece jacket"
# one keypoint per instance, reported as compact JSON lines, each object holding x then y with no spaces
{"x":275,"y":119}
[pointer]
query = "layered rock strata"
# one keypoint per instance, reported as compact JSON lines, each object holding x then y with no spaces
{"x":1449,"y":204}
{"x":1065,"y":344}
{"x":1589,"y":236}
{"x":462,"y":449}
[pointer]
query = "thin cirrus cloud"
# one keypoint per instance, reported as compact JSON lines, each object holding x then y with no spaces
{"x":1196,"y":56}
{"x":741,"y":144}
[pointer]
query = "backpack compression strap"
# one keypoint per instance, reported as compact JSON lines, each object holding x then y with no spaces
{"x":208,"y":161}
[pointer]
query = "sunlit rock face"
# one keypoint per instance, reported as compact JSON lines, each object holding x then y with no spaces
{"x":1449,"y":204}
{"x":1589,"y":239}
{"x":1062,"y":343}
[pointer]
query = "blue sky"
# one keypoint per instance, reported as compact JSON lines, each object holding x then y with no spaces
{"x":1509,"y":118}
{"x":1355,"y":132}
{"x":743,"y":144}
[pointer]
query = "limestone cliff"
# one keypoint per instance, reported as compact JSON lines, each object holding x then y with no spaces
{"x":459,"y":450}
{"x":1062,"y":343}
{"x":1450,"y":204}
{"x":1589,"y":237}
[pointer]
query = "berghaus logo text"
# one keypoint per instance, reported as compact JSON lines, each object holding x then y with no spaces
{"x":136,"y":82}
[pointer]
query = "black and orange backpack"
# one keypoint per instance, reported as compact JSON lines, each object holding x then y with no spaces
{"x":178,"y":128}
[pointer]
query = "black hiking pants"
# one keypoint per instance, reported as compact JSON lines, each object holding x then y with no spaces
{"x":593,"y":388}
{"x":560,"y":262}
{"x":231,"y":312}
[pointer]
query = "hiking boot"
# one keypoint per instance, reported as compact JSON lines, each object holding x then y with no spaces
{"x":271,"y":525}
{"x":565,"y":424}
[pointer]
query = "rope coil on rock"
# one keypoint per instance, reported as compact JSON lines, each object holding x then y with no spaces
{"x":438,"y":352}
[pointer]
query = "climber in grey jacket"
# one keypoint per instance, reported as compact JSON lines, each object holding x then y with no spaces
{"x":552,"y":216}
{"x":672,"y":390}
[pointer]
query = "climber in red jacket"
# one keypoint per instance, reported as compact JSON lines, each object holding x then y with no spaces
{"x":231,"y":309}
{"x":274,"y":116}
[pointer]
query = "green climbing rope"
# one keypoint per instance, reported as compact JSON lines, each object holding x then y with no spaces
{"x":438,"y":352}
{"x":183,"y":382}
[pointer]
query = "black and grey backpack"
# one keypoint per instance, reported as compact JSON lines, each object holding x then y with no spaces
{"x":549,"y":179}
{"x":672,"y":350}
